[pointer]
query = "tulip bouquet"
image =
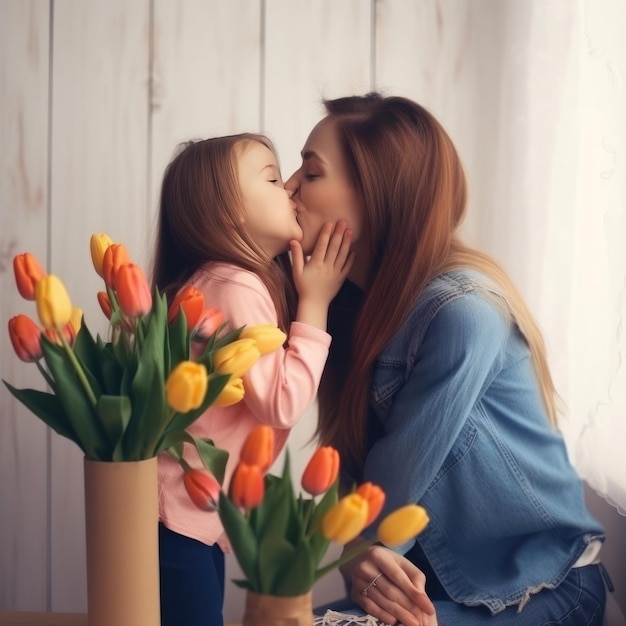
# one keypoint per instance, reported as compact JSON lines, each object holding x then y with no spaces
{"x":134,"y":395}
{"x":280,"y":539}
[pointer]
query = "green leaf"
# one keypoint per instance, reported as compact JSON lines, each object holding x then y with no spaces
{"x":319,"y":544}
{"x":77,"y":407}
{"x":298,"y":573}
{"x":213,"y":458}
{"x":89,"y":353}
{"x":275,"y":554}
{"x":147,"y":394}
{"x":111,"y":370}
{"x":48,"y":408}
{"x":242,"y":539}
{"x":178,"y":340}
{"x":243,"y":584}
{"x":213,"y":344}
{"x":115,"y":412}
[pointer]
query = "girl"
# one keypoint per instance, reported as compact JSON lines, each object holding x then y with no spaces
{"x":225,"y":225}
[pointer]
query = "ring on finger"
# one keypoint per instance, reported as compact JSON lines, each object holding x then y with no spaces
{"x":372,"y":584}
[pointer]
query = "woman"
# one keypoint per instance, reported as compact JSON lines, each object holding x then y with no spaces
{"x":437,"y":387}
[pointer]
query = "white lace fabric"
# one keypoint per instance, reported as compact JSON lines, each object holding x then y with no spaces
{"x":333,"y":618}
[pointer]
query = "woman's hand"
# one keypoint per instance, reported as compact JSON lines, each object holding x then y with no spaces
{"x":319,"y":278}
{"x":398,"y":594}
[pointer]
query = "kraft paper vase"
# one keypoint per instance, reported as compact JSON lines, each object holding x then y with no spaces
{"x":264,"y":610}
{"x":121,"y":523}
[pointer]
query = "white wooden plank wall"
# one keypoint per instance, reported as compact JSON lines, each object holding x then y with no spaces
{"x":95,"y":96}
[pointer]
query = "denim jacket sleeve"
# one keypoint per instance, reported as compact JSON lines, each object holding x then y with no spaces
{"x":426,"y":383}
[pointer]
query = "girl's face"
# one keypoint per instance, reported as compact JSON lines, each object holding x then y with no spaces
{"x":322,"y":188}
{"x":269,"y":212}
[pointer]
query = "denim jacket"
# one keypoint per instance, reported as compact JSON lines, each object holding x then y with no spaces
{"x":463,"y":431}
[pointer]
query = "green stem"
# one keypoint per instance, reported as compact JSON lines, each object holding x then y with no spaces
{"x":79,"y":370}
{"x":176,"y":452}
{"x":139,"y":334}
{"x":47,"y":376}
{"x":344,"y":558}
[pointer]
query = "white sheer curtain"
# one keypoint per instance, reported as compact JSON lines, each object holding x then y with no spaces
{"x":553,"y":207}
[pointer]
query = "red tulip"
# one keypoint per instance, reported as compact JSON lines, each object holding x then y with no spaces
{"x":321,"y":471}
{"x":258,"y":449}
{"x":114,"y":257}
{"x":105,"y":304}
{"x":209,"y":322}
{"x":133,"y":291}
{"x":247,"y":487}
{"x":203,"y":489}
{"x":375,"y":497}
{"x":28,"y":271}
{"x":191,"y":301}
{"x":26,"y":338}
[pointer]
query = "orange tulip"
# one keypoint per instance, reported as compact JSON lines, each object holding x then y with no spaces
{"x":133,"y":291}
{"x":113,"y":258}
{"x":203,"y":489}
{"x":258,"y":449}
{"x":105,"y":304}
{"x":321,"y":471}
{"x":209,"y":322}
{"x":26,"y":338}
{"x":191,"y":301}
{"x":28,"y":271}
{"x":375,"y":497}
{"x":247,"y":487}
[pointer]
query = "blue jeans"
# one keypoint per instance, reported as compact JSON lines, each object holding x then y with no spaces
{"x":578,"y":601}
{"x":192,"y":581}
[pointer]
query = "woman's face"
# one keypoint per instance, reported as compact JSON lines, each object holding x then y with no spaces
{"x":321,"y":187}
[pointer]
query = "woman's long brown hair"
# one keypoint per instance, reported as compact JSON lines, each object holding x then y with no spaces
{"x":200,"y":221}
{"x":413,"y":189}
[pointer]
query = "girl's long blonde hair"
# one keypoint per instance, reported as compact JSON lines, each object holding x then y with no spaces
{"x":410,"y":179}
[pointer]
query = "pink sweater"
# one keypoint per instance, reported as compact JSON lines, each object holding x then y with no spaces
{"x":278,"y":390}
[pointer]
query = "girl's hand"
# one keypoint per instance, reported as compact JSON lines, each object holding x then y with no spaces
{"x":319,"y":278}
{"x":399,"y":593}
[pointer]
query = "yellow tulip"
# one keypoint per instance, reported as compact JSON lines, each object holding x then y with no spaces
{"x":403,"y":524}
{"x":98,"y":245}
{"x":345,"y":521}
{"x":54,"y":306}
{"x":186,"y":386}
{"x":76,"y":321}
{"x":268,"y":337}
{"x":232,"y":393}
{"x":236,"y":358}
